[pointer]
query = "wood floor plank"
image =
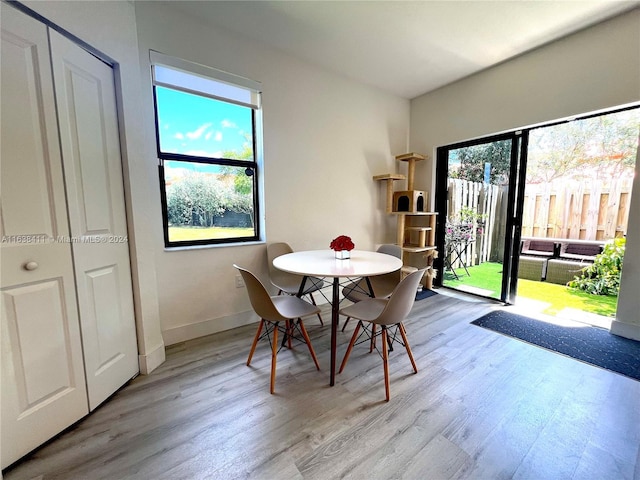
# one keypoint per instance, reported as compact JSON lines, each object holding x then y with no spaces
{"x":482,"y":405}
{"x":596,"y":464}
{"x":440,"y":459}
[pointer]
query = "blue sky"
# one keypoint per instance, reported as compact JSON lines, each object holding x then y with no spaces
{"x":200,"y":126}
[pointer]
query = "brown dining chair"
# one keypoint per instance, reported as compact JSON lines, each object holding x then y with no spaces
{"x":382,"y":285}
{"x":289,"y":283}
{"x":388,"y":313}
{"x":272,"y":311}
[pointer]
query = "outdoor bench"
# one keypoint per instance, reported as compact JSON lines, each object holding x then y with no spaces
{"x":534,"y":254}
{"x":556,"y":260}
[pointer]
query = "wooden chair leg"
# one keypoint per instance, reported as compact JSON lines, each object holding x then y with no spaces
{"x":255,"y":341}
{"x":308,"y":340}
{"x":385,"y":361}
{"x":350,"y":347}
{"x":288,"y":332}
{"x":406,"y":345}
{"x":345,"y":323}
{"x":274,"y":352}
{"x":373,"y":337}
{"x":313,"y":300}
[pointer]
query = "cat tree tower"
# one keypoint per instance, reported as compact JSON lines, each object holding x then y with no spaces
{"x":416,"y":226}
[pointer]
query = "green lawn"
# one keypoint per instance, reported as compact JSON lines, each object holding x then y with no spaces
{"x":178,"y":234}
{"x":488,"y":277}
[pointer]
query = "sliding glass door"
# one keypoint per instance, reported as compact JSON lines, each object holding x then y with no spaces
{"x":479,"y":191}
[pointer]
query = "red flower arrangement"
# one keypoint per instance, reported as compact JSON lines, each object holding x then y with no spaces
{"x":342,"y":243}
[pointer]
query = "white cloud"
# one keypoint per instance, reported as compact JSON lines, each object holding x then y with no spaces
{"x":217,"y":138}
{"x":198,"y":132}
{"x":179,"y":136}
{"x":228,"y":124}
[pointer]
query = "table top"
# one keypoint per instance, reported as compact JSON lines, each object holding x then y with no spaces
{"x":322,"y":263}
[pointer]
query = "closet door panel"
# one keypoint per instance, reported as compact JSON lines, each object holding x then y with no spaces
{"x":43,"y":384}
{"x":87,"y":115}
{"x":32,"y":203}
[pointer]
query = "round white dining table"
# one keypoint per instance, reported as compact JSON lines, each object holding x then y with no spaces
{"x":322,"y":263}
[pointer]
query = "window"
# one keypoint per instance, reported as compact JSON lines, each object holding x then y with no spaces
{"x":208,"y":131}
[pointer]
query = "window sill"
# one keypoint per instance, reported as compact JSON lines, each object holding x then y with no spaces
{"x":216,"y":245}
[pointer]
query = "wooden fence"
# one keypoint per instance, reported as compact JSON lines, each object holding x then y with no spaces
{"x":593,"y":210}
{"x":489,"y":201}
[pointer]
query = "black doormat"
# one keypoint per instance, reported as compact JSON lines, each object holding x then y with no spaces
{"x":425,"y":293}
{"x":592,"y":345}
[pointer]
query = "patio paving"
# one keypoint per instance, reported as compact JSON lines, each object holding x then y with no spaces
{"x":585,"y":317}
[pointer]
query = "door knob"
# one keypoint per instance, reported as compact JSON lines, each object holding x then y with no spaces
{"x":30,"y":266}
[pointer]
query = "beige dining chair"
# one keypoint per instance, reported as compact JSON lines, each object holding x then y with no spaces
{"x":382,"y":285}
{"x":388,"y":313}
{"x":272,"y":311}
{"x":289,"y":283}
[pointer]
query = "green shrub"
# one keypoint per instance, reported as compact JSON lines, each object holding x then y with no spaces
{"x":603,"y":276}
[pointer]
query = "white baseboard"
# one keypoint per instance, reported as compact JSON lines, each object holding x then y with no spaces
{"x":183,"y":333}
{"x":626,"y":330}
{"x":149,"y":362}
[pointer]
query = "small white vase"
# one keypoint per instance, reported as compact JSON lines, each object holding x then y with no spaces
{"x":343,"y":254}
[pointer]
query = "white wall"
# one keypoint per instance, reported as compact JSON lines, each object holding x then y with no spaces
{"x":324,"y":138}
{"x":627,"y":322}
{"x":110,"y":28}
{"x":594,"y":69}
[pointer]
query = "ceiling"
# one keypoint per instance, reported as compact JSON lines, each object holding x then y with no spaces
{"x":406,"y":48}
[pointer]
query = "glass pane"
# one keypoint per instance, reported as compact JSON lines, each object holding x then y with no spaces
{"x":577,"y":202}
{"x":203,"y":127}
{"x":478,"y":187}
{"x":208,"y":202}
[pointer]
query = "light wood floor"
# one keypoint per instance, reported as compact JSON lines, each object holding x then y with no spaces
{"x":482,"y":406}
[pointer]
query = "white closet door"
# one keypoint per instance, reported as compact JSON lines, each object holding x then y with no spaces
{"x":86,"y":101}
{"x":43,"y":385}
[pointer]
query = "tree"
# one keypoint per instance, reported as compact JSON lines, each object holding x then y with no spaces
{"x":472,"y":162}
{"x":241,"y":200}
{"x":195,"y":198}
{"x":179,"y":206}
{"x":600,"y":147}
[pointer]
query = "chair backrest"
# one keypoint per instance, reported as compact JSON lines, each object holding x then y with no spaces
{"x":274,"y":250}
{"x":278,"y":277}
{"x":390,"y":249}
{"x":396,"y":251}
{"x":401,"y":300}
{"x":259,"y":296}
